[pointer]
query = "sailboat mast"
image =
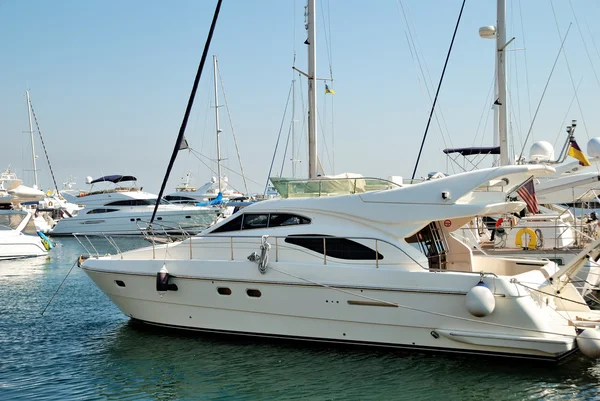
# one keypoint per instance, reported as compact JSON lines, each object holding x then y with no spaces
{"x":217,"y":124}
{"x":35,"y":177}
{"x":311,"y":27}
{"x":501,"y":82}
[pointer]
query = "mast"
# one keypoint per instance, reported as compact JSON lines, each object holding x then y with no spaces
{"x":217,"y":123}
{"x":35,"y":178}
{"x":311,"y":27}
{"x":501,"y":82}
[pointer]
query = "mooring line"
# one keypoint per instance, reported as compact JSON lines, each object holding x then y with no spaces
{"x":58,"y":289}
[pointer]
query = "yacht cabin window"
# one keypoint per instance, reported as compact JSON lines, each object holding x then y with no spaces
{"x":341,"y":248}
{"x":96,"y":211}
{"x":132,"y":202}
{"x":430,"y":242}
{"x":250,"y":221}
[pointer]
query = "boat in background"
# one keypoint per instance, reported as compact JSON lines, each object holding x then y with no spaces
{"x":188,"y":194}
{"x":18,"y":238}
{"x":13,"y":192}
{"x":127,"y":210}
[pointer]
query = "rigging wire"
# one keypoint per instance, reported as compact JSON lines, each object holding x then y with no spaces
{"x":584,"y":44}
{"x":277,"y":143}
{"x":187,"y":111}
{"x":486,"y":106}
{"x":526,"y":65}
{"x":438,"y":89}
{"x":285,"y":150}
{"x":43,"y":146}
{"x":232,"y":130}
{"x":569,"y":70}
{"x":197,"y":154}
{"x":544,"y":91}
{"x":412,"y":46}
{"x":562,"y":125}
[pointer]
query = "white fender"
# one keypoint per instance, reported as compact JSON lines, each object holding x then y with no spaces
{"x":588,"y":342}
{"x":480,"y":300}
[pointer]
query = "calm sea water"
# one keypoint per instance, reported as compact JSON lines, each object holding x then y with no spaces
{"x":83,"y":348}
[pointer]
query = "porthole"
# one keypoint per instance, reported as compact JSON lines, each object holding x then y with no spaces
{"x":120,"y":283}
{"x":253,"y":293}
{"x":188,"y":217}
{"x":159,"y":218}
{"x":224,"y":291}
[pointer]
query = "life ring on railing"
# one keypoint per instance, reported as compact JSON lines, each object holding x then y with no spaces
{"x":532,"y":238}
{"x":499,"y":222}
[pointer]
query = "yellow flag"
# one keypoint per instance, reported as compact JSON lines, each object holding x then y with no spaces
{"x":327,"y":90}
{"x":575,"y":152}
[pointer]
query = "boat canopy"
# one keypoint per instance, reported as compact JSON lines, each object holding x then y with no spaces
{"x":493,"y":150}
{"x":114,"y":179}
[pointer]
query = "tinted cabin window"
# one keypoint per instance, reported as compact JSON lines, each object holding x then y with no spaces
{"x":340,"y":248}
{"x":232,"y":225}
{"x":96,"y":211}
{"x":252,"y":221}
{"x":132,"y":202}
{"x":431,"y":243}
{"x":278,"y":220}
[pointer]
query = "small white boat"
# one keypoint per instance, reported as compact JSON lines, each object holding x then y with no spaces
{"x":14,"y":242}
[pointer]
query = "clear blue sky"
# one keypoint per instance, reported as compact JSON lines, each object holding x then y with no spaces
{"x":109,"y":82}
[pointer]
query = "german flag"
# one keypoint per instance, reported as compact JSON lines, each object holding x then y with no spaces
{"x":575,"y":151}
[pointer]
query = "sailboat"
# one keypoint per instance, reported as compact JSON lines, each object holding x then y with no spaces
{"x":188,"y":194}
{"x":554,"y":233}
{"x":359,"y":269}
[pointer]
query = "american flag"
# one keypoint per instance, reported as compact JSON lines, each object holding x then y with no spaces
{"x":527,"y":193}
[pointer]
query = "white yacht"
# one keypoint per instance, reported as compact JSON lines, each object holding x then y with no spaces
{"x":14,"y":241}
{"x":12,"y":190}
{"x":380,"y":268}
{"x":127,"y":210}
{"x":185,"y":193}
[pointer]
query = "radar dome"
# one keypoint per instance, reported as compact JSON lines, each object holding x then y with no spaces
{"x":541,"y":151}
{"x":88,"y":179}
{"x":593,"y":147}
{"x":487,"y":32}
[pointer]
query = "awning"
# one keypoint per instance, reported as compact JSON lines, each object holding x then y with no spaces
{"x":114,"y":178}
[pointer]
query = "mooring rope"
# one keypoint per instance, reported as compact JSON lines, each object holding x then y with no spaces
{"x":424,"y":310}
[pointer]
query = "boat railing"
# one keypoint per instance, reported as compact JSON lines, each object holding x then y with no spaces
{"x":546,"y":236}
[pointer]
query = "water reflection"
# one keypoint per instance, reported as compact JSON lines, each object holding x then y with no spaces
{"x":84,"y":348}
{"x":146,"y":363}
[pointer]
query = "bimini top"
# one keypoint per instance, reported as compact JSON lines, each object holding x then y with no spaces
{"x":114,"y":179}
{"x":494,"y":150}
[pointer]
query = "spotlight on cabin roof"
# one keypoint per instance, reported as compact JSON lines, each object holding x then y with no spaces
{"x":487,"y":32}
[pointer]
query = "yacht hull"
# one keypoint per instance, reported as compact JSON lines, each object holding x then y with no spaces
{"x":370,"y":313}
{"x":17,"y":248}
{"x":135,"y":222}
